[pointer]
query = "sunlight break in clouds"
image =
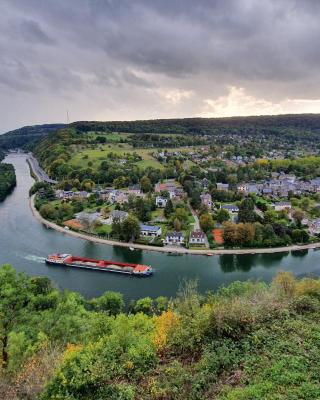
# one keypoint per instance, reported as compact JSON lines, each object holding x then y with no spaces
{"x":239,"y":103}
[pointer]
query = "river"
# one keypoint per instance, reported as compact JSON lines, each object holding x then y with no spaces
{"x":24,"y":243}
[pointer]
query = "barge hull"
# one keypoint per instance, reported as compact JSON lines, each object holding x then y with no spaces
{"x":67,"y":260}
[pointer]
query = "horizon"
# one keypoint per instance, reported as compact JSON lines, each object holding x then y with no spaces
{"x":124,"y":61}
{"x":156,"y":119}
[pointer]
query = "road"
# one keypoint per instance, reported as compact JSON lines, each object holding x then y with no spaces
{"x":41,"y":175}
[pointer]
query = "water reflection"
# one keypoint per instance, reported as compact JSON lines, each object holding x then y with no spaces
{"x":230,"y":263}
{"x":272,"y":259}
{"x":299,"y":253}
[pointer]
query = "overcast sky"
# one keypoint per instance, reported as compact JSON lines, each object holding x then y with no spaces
{"x":136,"y":59}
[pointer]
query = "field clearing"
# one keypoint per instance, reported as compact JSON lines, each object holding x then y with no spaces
{"x":99,"y":153}
{"x":95,"y":156}
{"x":113,"y":137}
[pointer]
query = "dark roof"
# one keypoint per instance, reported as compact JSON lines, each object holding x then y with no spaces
{"x":197,"y":235}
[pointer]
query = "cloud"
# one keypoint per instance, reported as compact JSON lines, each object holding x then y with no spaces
{"x":31,"y":32}
{"x":150,"y":59}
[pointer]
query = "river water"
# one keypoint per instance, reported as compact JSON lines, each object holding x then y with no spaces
{"x":24,"y":243}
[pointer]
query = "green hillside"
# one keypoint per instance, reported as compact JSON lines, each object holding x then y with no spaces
{"x":247,"y":341}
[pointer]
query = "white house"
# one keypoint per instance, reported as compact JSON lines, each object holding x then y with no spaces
{"x":174,"y":238}
{"x":232,"y":208}
{"x":161,"y":201}
{"x":150,"y":230}
{"x":197,"y":237}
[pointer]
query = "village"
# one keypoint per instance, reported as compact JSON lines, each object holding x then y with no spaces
{"x":199,"y":192}
{"x":203,"y":227}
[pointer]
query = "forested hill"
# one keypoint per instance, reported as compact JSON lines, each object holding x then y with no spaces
{"x":265,"y":124}
{"x":27,"y":134}
{"x":306,"y":126}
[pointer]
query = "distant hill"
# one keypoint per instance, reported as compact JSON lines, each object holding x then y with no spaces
{"x":303,"y":126}
{"x":267,"y":124}
{"x":26,"y":135}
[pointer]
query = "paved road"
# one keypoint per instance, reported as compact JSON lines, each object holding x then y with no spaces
{"x":38,"y":171}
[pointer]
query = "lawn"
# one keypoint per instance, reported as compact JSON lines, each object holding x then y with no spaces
{"x":96,"y":155}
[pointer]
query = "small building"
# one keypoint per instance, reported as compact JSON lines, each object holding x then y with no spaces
{"x":197,"y":237}
{"x":89,"y":217}
{"x":150,"y":230}
{"x":232,"y":208}
{"x":223,"y":186}
{"x":174,"y":238}
{"x":134,"y":189}
{"x":118,"y":215}
{"x":282,"y":205}
{"x":161,"y":201}
{"x":206,"y":199}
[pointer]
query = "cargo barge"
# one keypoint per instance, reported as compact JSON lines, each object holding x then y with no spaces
{"x":68,"y":260}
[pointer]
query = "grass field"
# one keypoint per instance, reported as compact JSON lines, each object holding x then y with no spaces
{"x":96,"y":155}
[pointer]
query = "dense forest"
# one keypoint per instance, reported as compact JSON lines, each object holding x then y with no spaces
{"x":306,"y":127}
{"x":26,"y":135}
{"x":246,"y":341}
{"x":7,"y":178}
{"x":289,"y":125}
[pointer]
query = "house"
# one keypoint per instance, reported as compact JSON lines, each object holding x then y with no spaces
{"x":83,"y":194}
{"x":206,"y":199}
{"x":161,"y":201}
{"x":267,"y":192}
{"x":197,"y":237}
{"x":223,"y":186}
{"x":232,"y":208}
{"x":89,"y":217}
{"x":282,"y":205}
{"x":174,"y":238}
{"x":117,"y":215}
{"x":150,"y":230}
{"x":314,"y":227}
{"x":170,"y":185}
{"x":134,"y":189}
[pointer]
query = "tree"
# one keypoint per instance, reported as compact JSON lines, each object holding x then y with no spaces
{"x":230,"y":233}
{"x":47,"y":211}
{"x":177,"y":224}
{"x":298,"y":217}
{"x":161,"y":303}
{"x":246,"y":211}
{"x":270,"y":216}
{"x":145,"y":184}
{"x":144,"y":305}
{"x":222,"y":216}
{"x":168,"y":210}
{"x":206,"y":222}
{"x":15,"y":295}
{"x":130,"y":228}
{"x":300,"y":236}
{"x":110,"y":302}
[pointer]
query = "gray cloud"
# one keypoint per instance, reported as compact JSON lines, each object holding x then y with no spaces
{"x":118,"y":59}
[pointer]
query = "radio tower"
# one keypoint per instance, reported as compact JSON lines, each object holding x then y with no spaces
{"x":68,"y":121}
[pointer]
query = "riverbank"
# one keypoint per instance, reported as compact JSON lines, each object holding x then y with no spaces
{"x":167,"y":249}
